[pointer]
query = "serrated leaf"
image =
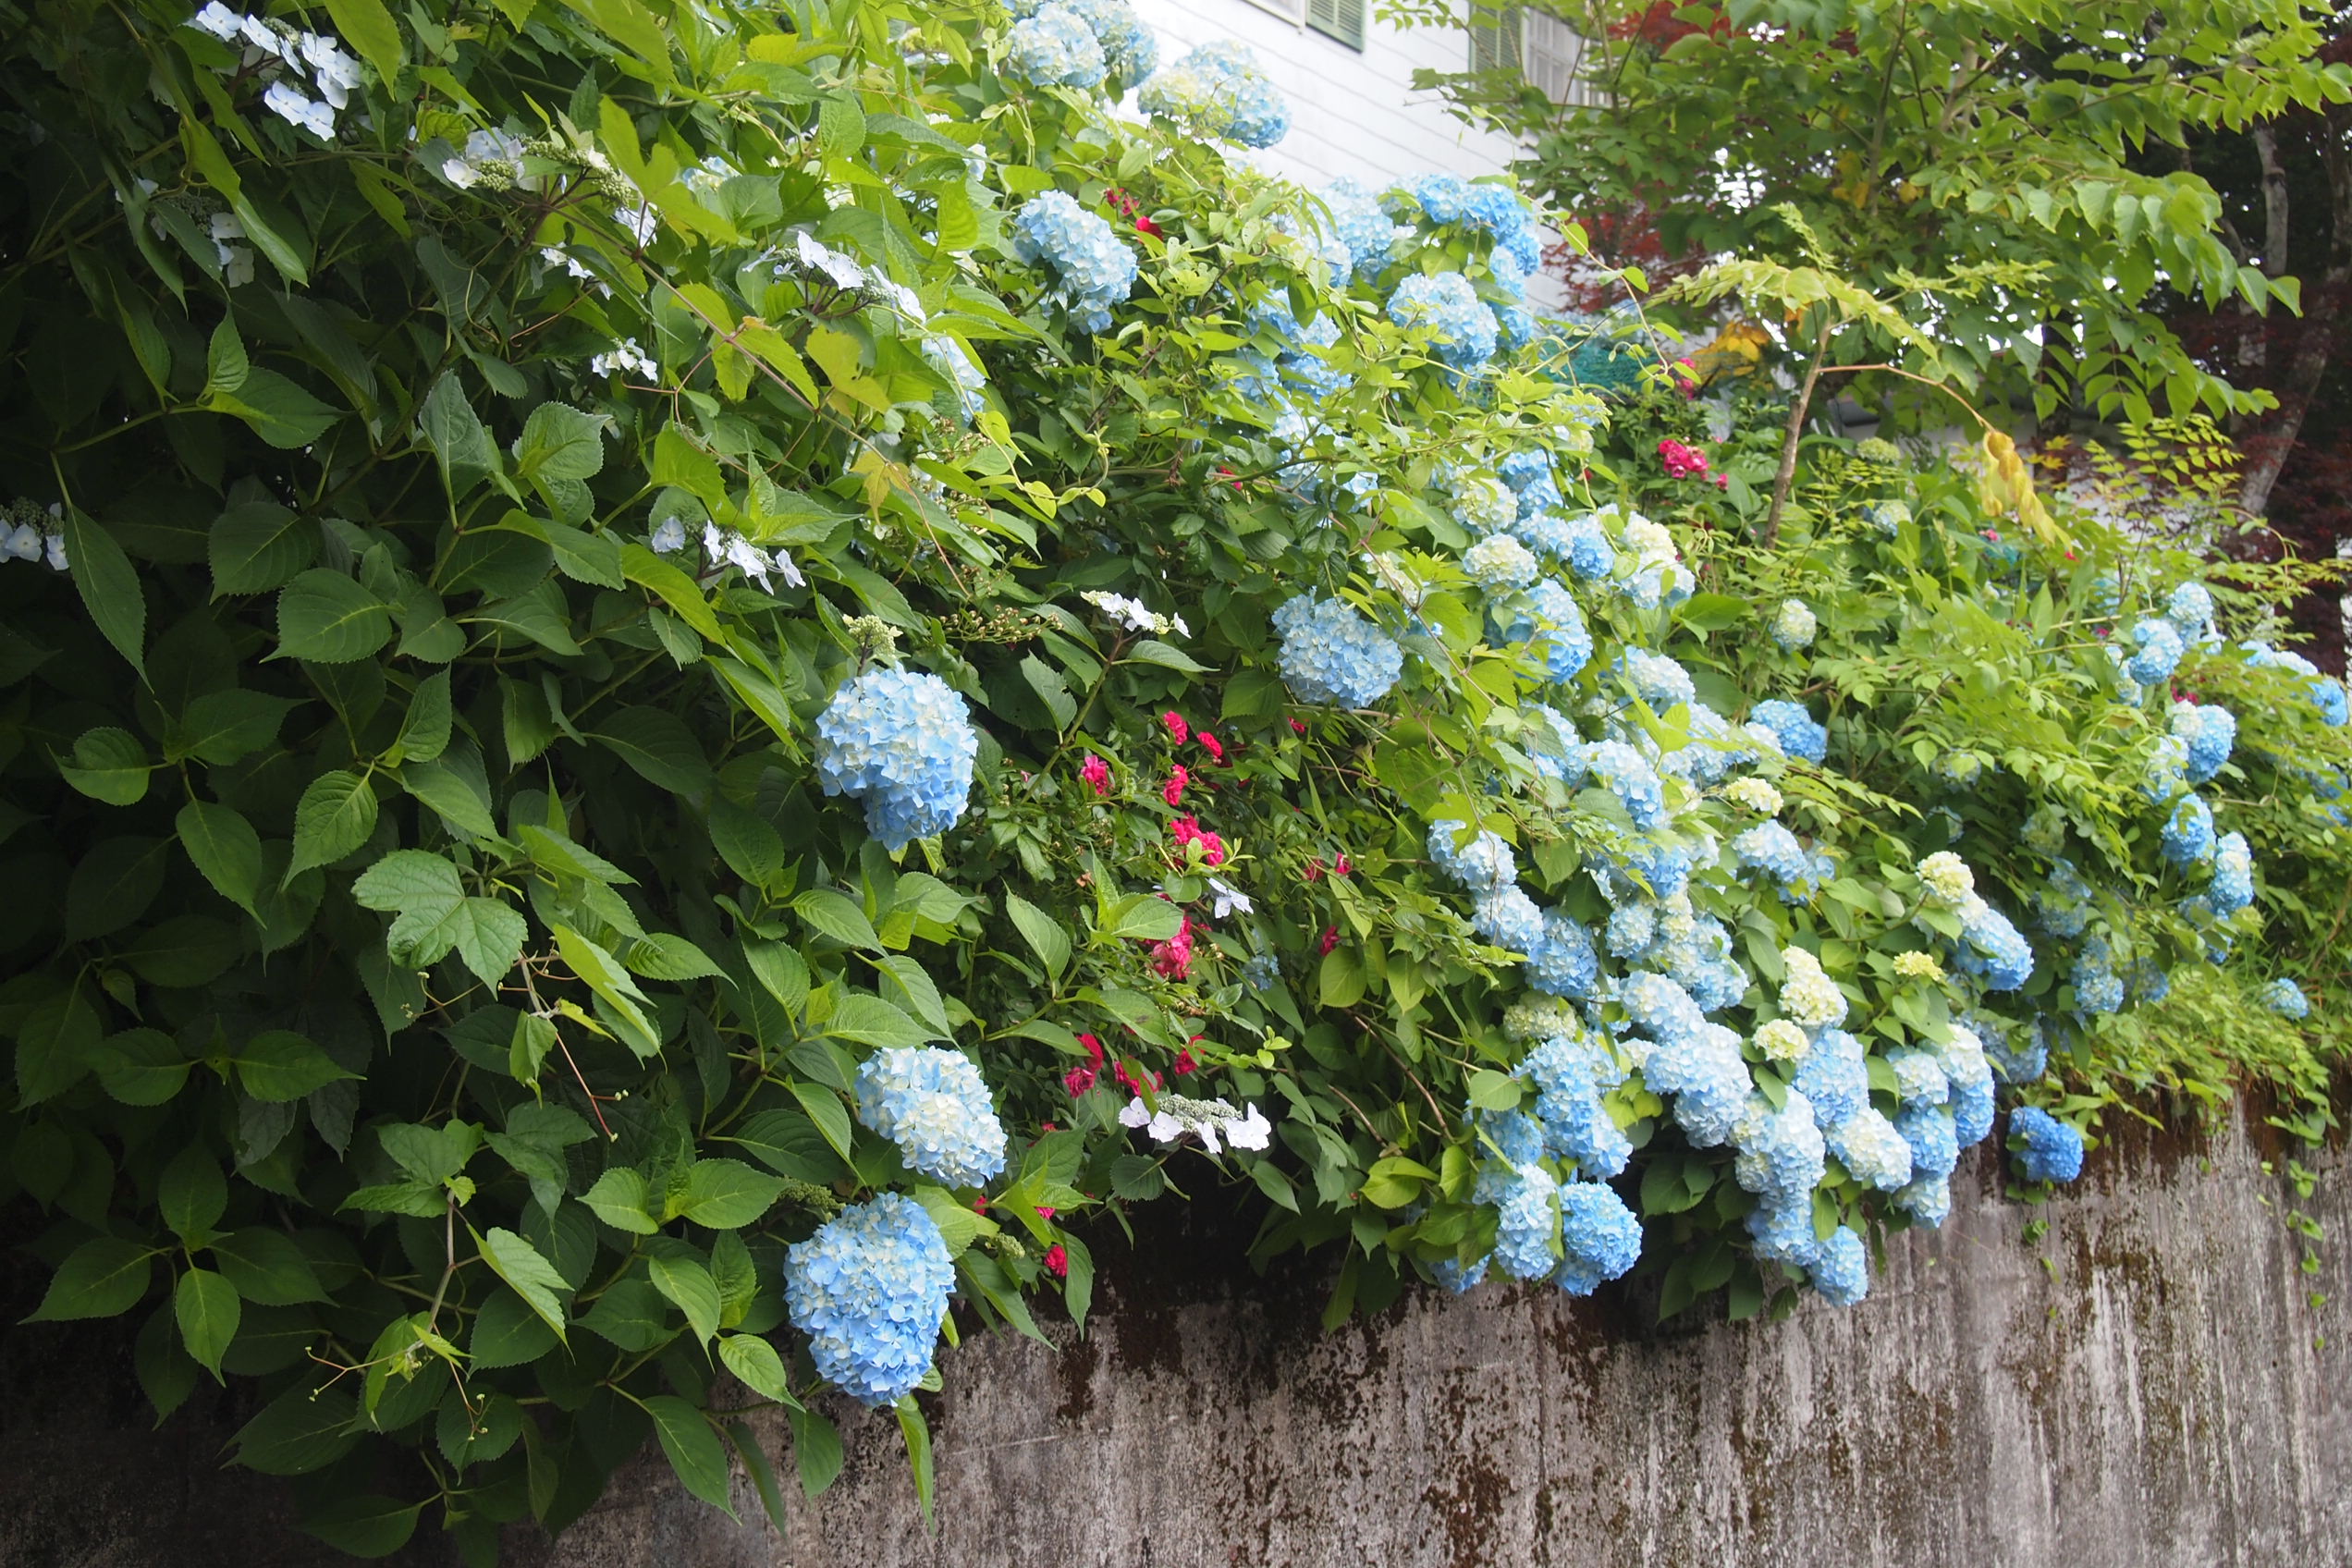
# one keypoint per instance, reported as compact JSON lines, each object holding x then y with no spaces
{"x":1042,"y":932}
{"x":98,"y":1278}
{"x":781,"y":971}
{"x":559,"y":442}
{"x":612,"y":986}
{"x":831,"y":912}
{"x":141,"y":1067}
{"x":335,"y":817}
{"x":266,"y":1267}
{"x":207,"y":1310}
{"x":693,"y":1448}
{"x":530,"y":1276}
{"x":224,"y":847}
{"x":109,"y":765}
{"x":367,"y":1526}
{"x":220,"y":727}
{"x":816,"y":1451}
{"x":727,"y":1195}
{"x":660,"y":955}
{"x":109,"y":587}
{"x":279,"y":1065}
{"x":619,"y":1198}
{"x":259,"y":546}
{"x":689,"y":1287}
{"x":325,"y":618}
{"x":756,"y":1364}
{"x":424,"y":731}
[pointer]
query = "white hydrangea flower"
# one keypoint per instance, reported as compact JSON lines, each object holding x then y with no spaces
{"x":297,"y":108}
{"x":336,"y":72}
{"x":1809,"y":996}
{"x":1216,"y":1122}
{"x":1754,"y":794}
{"x":218,"y":20}
{"x":640,"y":222}
{"x":1917,"y":966}
{"x":1782,"y":1041}
{"x":626,"y":356}
{"x":815,"y":254}
{"x":1134,"y":615}
{"x":1949,"y":880}
{"x":1229,"y":898}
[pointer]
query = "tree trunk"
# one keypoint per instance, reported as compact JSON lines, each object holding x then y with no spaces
{"x":2315,"y":343}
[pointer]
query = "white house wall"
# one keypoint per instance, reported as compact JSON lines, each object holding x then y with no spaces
{"x":1353,"y":113}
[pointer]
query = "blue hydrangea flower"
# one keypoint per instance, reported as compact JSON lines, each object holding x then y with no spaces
{"x":1772,"y":848}
{"x":1798,"y":735}
{"x":2062,"y":904}
{"x":1368,"y":233}
{"x":1780,"y":1151}
{"x":1871,"y":1150}
{"x":1218,"y":90}
{"x":1565,"y":966}
{"x":1834,"y":1077}
{"x":1782,"y":1233}
{"x":1518,"y":1136}
{"x":1459,"y":1277}
{"x":1549,"y":621}
{"x":1462,"y":328}
{"x":1585,"y":547}
{"x":1129,"y":47}
{"x":869,"y":1290}
{"x":1527,"y":1240}
{"x":2025,"y":1065}
{"x":2051,"y":1151}
{"x":1626,"y":774}
{"x":2098,"y":988}
{"x":2286,"y":997}
{"x":1054,"y":48}
{"x":1655,"y":679}
{"x":1553,"y":745}
{"x":1933,"y":1137}
{"x":2190,"y":609}
{"x":934,"y":1105}
{"x":1969,"y":1077}
{"x":2326,"y":692}
{"x":2159,"y":652}
{"x":1599,"y":1238}
{"x":1094,"y":269}
{"x":2209,"y":730}
{"x":2232,"y":888}
{"x":1444,"y":197}
{"x":2167,"y":768}
{"x":1841,"y":1269}
{"x":1918,"y":1077}
{"x":2189,"y":832}
{"x":1700,"y":1070}
{"x":1992,"y":948}
{"x":1480,"y":864}
{"x":1927,"y":1199}
{"x":901,"y":742}
{"x":1576,"y":1125}
{"x":1332,"y":653}
{"x":1507,"y":918}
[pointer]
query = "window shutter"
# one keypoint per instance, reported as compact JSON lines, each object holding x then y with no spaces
{"x":1494,"y":39}
{"x":1343,"y":19}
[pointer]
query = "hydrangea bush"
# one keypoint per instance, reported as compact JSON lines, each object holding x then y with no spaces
{"x":671,"y":732}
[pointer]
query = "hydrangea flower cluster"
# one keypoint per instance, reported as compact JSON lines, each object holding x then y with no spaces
{"x":869,"y":1289}
{"x":1793,"y":727}
{"x":1094,"y":268}
{"x":2286,"y":997}
{"x":30,"y":533}
{"x":902,"y":743}
{"x":1795,"y":625}
{"x":333,"y":73}
{"x":1499,"y":562}
{"x":2050,"y":1150}
{"x":1220,"y":90}
{"x":1550,"y":621}
{"x":1462,"y":328}
{"x":1332,"y":653}
{"x":2208,"y":730}
{"x":933,"y":1104}
{"x":1054,"y":47}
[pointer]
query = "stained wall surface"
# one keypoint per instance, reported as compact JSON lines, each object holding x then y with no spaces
{"x":2147,"y":1384}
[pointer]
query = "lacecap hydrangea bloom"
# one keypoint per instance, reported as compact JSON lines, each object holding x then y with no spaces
{"x":2051,"y":1151}
{"x":934,"y":1105}
{"x":1461,"y":329}
{"x":1092,"y":267}
{"x":1054,"y":47}
{"x":1218,"y":90}
{"x":869,"y":1290}
{"x":902,"y":743}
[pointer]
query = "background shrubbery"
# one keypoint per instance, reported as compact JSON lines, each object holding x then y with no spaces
{"x":639,"y":634}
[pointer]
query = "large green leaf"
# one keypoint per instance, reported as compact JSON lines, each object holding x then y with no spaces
{"x":694,"y":1449}
{"x":336,"y":816}
{"x":99,"y":1278}
{"x":208,"y":1312}
{"x":326,"y":618}
{"x":528,"y":1274}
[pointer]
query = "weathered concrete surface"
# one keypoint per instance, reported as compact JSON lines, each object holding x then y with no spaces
{"x":2147,"y":1386}
{"x":2142,"y":1388}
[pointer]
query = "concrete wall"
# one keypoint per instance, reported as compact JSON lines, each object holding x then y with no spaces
{"x":2145,"y":1386}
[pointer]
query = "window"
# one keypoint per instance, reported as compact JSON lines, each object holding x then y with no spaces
{"x":1343,"y":19}
{"x":1538,"y":46}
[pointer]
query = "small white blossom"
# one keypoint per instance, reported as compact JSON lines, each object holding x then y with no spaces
{"x":640,"y":222}
{"x":57,"y":543}
{"x":1251,"y":1131}
{"x":218,"y":20}
{"x":1756,"y":794}
{"x":1134,"y":615}
{"x":626,"y":356}
{"x":1228,"y":898}
{"x":1214,"y":1122}
{"x":296,"y":109}
{"x":668,"y":536}
{"x":336,"y":72}
{"x":23,"y":542}
{"x":814,"y":253}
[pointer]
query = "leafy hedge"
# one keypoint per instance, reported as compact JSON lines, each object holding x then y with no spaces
{"x":549,"y":509}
